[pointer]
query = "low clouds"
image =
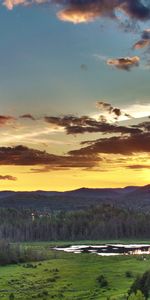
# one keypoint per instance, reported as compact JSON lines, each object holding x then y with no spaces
{"x":113,"y":139}
{"x":85,"y":124}
{"x":131,"y":144}
{"x":144,"y":126}
{"x":115,"y":111}
{"x":8,"y":177}
{"x":24,"y":156}
{"x":138,"y":167}
{"x":4,"y":120}
{"x":27,"y":116}
{"x":124,"y":63}
{"x":124,"y":145}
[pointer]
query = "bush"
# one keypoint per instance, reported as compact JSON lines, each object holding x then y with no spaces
{"x":128,"y":274}
{"x":136,"y":296}
{"x":102,"y":281}
{"x":11,"y":296}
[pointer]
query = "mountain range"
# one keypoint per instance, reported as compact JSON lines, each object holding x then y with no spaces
{"x":131,"y":197}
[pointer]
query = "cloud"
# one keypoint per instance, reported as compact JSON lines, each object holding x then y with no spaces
{"x":24,"y":156}
{"x":144,"y":126}
{"x":27,"y":116}
{"x":124,"y":140}
{"x":4,"y":120}
{"x":81,"y":11}
{"x":146,"y":34}
{"x":7,"y":177}
{"x":124,"y":63}
{"x":11,"y":3}
{"x":144,"y":41}
{"x":124,"y":145}
{"x":141,"y":44}
{"x":138,"y":110}
{"x":85,"y":124}
{"x":75,"y":16}
{"x":117,"y":112}
{"x":138,"y":167}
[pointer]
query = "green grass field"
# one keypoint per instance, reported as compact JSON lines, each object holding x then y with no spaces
{"x":70,"y":276}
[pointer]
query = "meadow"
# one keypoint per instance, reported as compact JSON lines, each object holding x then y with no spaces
{"x":70,"y":276}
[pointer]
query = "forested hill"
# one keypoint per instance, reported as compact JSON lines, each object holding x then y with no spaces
{"x":75,"y":215}
{"x":103,"y":222}
{"x":133,"y":197}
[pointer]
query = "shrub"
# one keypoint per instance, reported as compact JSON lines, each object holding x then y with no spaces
{"x":102,"y":281}
{"x":136,"y":296}
{"x":128,"y":274}
{"x":11,"y":296}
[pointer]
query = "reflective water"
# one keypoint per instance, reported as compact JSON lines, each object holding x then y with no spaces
{"x":108,"y":249}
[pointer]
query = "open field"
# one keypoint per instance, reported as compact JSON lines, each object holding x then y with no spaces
{"x":70,"y":276}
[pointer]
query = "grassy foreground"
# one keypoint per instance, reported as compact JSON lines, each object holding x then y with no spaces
{"x":70,"y":276}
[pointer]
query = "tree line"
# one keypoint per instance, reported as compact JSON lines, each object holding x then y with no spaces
{"x":101,"y":222}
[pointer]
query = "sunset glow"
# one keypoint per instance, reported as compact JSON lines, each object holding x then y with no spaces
{"x":75,"y":94}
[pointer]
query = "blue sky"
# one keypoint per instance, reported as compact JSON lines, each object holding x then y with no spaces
{"x":40,"y":58}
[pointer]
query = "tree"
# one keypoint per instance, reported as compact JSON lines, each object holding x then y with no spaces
{"x":136,"y":296}
{"x":141,"y":283}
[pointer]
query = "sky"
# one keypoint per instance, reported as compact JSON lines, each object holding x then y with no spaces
{"x":74,"y":94}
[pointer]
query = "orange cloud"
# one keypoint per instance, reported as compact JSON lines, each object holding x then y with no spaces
{"x":11,"y":3}
{"x":7,"y":177}
{"x":141,"y":44}
{"x":6,"y":119}
{"x":76,"y":16}
{"x":124,"y":63}
{"x":81,"y":11}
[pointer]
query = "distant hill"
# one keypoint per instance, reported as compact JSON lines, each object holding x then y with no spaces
{"x":134,"y":197}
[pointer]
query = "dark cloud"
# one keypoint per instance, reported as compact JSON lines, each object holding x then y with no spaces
{"x":78,"y":11}
{"x":85,"y":124}
{"x":125,"y":145}
{"x":7,"y":177}
{"x":146,"y":34}
{"x":124,"y":63}
{"x":111,"y":110}
{"x":4,"y":120}
{"x":24,"y":156}
{"x":138,"y":167}
{"x":145,"y":126}
{"x":27,"y":116}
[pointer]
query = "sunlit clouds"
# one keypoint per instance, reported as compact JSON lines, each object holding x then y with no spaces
{"x":8,"y":177}
{"x":85,"y":11}
{"x":75,"y":107}
{"x":76,"y":16}
{"x":124,"y":63}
